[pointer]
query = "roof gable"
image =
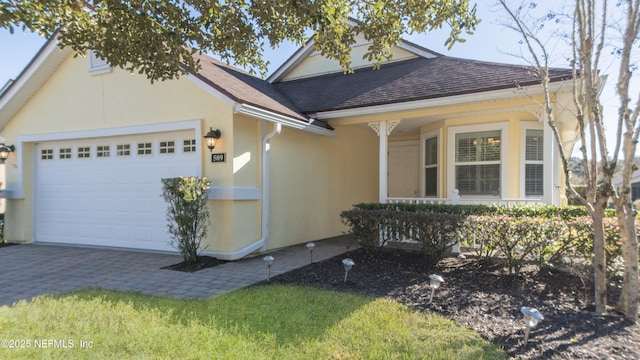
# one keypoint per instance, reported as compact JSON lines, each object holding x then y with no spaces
{"x":308,"y":62}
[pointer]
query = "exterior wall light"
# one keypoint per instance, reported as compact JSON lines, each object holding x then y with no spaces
{"x":269,"y":261}
{"x":310,"y":246}
{"x":531,"y":318}
{"x":5,"y":151}
{"x":434,"y":283}
{"x":211,"y":138}
{"x":348,"y":264}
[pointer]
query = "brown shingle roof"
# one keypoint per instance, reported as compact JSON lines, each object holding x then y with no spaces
{"x":409,"y":80}
{"x":245,"y":88}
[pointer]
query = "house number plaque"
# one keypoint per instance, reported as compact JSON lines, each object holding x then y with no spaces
{"x":218,"y":158}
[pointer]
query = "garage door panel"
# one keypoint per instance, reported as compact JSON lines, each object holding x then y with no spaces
{"x":114,"y":201}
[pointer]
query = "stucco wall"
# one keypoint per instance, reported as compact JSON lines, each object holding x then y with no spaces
{"x":314,"y":178}
{"x":73,"y":100}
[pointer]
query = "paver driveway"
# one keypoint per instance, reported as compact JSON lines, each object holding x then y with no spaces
{"x":34,"y":269}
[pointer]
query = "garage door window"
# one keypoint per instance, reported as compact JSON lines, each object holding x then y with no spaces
{"x":84,"y":152}
{"x":103,"y":151}
{"x":144,"y":148}
{"x":189,"y":145}
{"x":167,"y":147}
{"x":123,"y":150}
{"x":46,"y":154}
{"x":65,"y":153}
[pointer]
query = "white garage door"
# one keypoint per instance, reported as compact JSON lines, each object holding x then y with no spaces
{"x":107,"y":191}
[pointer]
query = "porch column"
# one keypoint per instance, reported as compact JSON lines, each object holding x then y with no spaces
{"x":383,"y":129}
{"x":551,"y":166}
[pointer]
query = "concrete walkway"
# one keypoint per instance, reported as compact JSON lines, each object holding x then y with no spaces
{"x":35,"y":269}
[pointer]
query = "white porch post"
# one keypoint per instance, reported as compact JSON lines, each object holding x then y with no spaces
{"x":383,"y":129}
{"x":551,"y":166}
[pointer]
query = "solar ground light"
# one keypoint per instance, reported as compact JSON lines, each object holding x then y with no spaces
{"x":531,"y":318}
{"x":269,"y":261}
{"x":310,"y":246}
{"x":348,"y":264}
{"x":434,"y":283}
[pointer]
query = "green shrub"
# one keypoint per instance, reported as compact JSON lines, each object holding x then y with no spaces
{"x":187,"y":213}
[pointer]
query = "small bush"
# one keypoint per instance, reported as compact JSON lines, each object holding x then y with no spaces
{"x":187,"y":213}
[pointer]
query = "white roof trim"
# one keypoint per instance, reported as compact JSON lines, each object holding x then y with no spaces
{"x":308,"y":49}
{"x":211,"y":90}
{"x":267,"y":115}
{"x":429,"y":103}
{"x":31,"y":79}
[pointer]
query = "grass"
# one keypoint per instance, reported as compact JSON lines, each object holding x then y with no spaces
{"x":266,"y":322}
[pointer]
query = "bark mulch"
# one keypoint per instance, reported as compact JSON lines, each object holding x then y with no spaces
{"x":480,"y":295}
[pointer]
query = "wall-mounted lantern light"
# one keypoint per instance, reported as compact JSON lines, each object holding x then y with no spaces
{"x":211,"y":138}
{"x":5,"y":151}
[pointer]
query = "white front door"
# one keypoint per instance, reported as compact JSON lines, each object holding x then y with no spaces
{"x":404,"y":165}
{"x":106,"y":191}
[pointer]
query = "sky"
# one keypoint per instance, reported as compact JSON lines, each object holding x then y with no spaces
{"x":491,"y":42}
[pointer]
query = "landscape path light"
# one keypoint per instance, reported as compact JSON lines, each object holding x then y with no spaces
{"x":310,"y":246}
{"x":531,"y":318}
{"x":348,"y":264}
{"x":269,"y":261}
{"x":434,"y":283}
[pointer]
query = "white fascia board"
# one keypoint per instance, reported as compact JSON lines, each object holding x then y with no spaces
{"x":19,"y":92}
{"x":211,"y":90}
{"x":267,"y":115}
{"x":437,"y":102}
{"x":293,"y":61}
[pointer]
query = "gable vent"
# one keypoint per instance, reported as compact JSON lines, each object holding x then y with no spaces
{"x":97,"y":65}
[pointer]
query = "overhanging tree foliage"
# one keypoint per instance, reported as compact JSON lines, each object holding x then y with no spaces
{"x":158,"y":38}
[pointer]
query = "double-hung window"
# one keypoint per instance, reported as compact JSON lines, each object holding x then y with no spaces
{"x":431,"y":166}
{"x":534,"y":163}
{"x":478,"y":162}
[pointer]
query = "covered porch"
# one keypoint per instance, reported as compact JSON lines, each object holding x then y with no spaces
{"x":485,"y":154}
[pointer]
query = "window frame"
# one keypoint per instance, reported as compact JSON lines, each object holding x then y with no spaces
{"x":532,"y":125}
{"x":452,"y":131}
{"x":423,"y":166}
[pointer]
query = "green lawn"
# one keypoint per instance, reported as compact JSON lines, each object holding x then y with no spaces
{"x":267,"y":322}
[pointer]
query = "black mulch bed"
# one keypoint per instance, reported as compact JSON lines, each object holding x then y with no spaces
{"x":203,"y":262}
{"x":481,"y":296}
{"x":5,"y":244}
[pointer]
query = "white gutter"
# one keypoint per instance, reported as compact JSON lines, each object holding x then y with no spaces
{"x":262,"y":114}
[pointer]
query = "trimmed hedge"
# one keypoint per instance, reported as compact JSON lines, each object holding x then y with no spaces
{"x":544,"y":235}
{"x":547,"y":211}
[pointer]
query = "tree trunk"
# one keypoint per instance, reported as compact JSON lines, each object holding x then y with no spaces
{"x":599,"y":261}
{"x":630,"y":295}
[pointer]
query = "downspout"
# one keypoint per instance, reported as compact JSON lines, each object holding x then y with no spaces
{"x":264,"y":180}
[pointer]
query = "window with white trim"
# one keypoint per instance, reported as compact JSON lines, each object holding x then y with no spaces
{"x":123,"y":150}
{"x":431,"y":166}
{"x":46,"y":154}
{"x":534,"y":163}
{"x":189,"y":145}
{"x":84,"y":152}
{"x":145,"y":148}
{"x":478,"y":163}
{"x":103,"y":151}
{"x":64,"y":153}
{"x":167,"y":147}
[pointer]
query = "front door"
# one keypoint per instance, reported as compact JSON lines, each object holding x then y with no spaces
{"x":404,"y":163}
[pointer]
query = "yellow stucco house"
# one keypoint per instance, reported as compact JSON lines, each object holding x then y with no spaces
{"x":92,"y":143}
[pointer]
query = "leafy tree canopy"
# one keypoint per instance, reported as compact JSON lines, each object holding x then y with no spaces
{"x":158,"y":38}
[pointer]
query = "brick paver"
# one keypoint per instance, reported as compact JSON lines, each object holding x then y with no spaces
{"x":35,"y":269}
